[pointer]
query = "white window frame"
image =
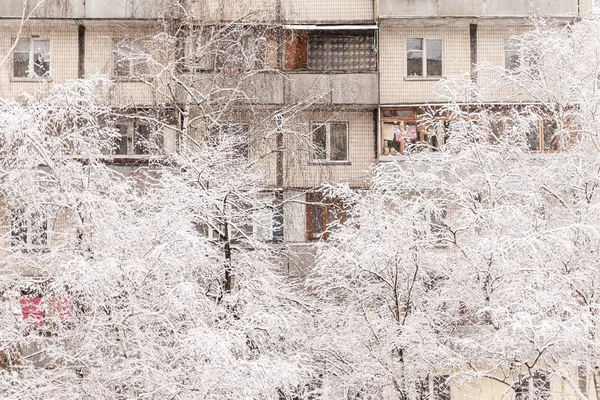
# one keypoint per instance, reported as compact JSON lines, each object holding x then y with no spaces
{"x":327,"y":160}
{"x":130,"y":137}
{"x":30,"y":67}
{"x":425,"y":75}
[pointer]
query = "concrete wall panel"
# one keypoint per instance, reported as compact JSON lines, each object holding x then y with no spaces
{"x":337,"y":11}
{"x":479,"y":8}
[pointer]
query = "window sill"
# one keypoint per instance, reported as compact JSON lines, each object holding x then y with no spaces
{"x":325,"y":162}
{"x":423,"y":78}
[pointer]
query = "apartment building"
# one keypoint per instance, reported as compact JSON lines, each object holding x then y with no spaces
{"x":342,"y":84}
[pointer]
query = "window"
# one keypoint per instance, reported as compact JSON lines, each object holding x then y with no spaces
{"x":134,"y":139}
{"x":130,"y":59}
{"x":329,"y":141}
{"x":347,"y":51}
{"x":410,"y":131}
{"x":31,"y":58}
{"x":511,"y":54}
{"x":323,"y":215}
{"x":539,"y":133}
{"x":521,"y":58}
{"x":423,"y":57}
{"x":29,"y":232}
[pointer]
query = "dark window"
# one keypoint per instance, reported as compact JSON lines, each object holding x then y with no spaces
{"x":533,"y":136}
{"x":522,"y":388}
{"x":549,"y":128}
{"x":330,"y":141}
{"x":541,"y":385}
{"x":31,"y":58}
{"x":142,"y":139}
{"x":323,"y":215}
{"x":124,"y":142}
{"x":424,"y":57}
{"x":135,"y":138}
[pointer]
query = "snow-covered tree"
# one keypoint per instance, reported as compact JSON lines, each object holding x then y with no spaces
{"x":136,"y":282}
{"x":479,"y":260}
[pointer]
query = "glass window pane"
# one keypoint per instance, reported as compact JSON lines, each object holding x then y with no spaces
{"x":315,"y":215}
{"x":122,"y":140}
{"x":496,"y":130}
{"x":41,"y":57}
{"x":410,"y":135}
{"x":414,"y":63}
{"x":511,"y":59}
{"x":434,"y":57}
{"x":20,"y":64}
{"x":550,"y":139}
{"x":414,"y":44}
{"x":398,"y":113}
{"x":319,"y":142}
{"x":533,"y":136}
{"x":433,"y":132}
{"x":142,"y":135}
{"x":23,"y":45}
{"x":339,"y":142}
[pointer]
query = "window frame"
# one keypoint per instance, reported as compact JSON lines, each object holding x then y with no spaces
{"x":555,"y":145}
{"x":131,"y":138}
{"x":31,"y":75}
{"x":422,"y":122}
{"x":426,"y":75}
{"x":313,"y":126}
{"x":317,"y":201}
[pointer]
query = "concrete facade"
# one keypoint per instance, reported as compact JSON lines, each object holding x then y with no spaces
{"x":82,"y":35}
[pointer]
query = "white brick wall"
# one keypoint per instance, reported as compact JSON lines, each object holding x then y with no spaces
{"x":395,"y":88}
